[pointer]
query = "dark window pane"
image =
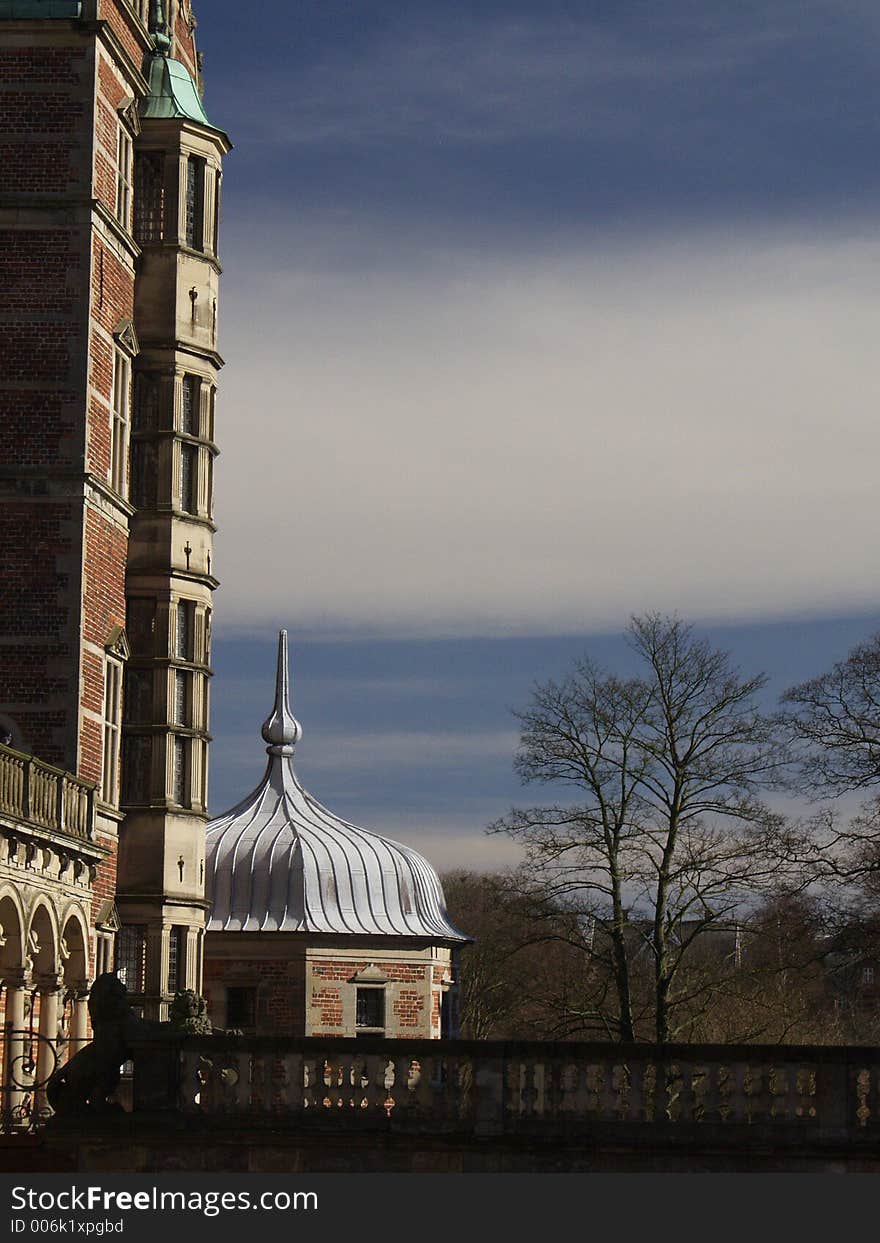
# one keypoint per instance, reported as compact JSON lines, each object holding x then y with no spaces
{"x":370,"y":1007}
{"x":188,"y":478}
{"x":195,"y":202}
{"x":179,"y":786}
{"x":241,"y":1007}
{"x":183,"y":639}
{"x":176,"y":958}
{"x":190,"y":410}
{"x":181,"y":716}
{"x":149,"y":198}
{"x":131,"y":953}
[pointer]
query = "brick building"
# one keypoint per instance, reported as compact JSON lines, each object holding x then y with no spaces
{"x":109,"y":206}
{"x":317,"y":927}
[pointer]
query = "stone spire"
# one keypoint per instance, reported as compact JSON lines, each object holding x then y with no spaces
{"x":281,"y":729}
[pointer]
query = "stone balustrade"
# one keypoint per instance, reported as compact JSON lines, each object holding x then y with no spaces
{"x":37,"y":793}
{"x":786,"y":1093}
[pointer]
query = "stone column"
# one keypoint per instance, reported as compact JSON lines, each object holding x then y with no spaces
{"x":16,"y":985}
{"x":79,"y":1022}
{"x":49,"y":989}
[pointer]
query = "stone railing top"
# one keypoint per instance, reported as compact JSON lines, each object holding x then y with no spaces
{"x":513,"y":1087}
{"x":41,"y":794}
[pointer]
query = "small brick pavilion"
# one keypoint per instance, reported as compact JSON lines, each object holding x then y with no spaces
{"x":317,"y":927}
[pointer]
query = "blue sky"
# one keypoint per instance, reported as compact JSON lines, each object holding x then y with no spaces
{"x":534,"y":316}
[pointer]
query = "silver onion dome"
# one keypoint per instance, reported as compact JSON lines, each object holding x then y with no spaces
{"x":280,"y":862}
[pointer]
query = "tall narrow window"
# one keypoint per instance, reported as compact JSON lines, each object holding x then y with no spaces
{"x":189,"y":419}
{"x":112,"y":724}
{"x":181,"y":714}
{"x":195,"y":203}
{"x":184,"y":630}
{"x":120,"y":421}
{"x":176,"y":958}
{"x":188,"y":478}
{"x":178,"y":788}
{"x":131,"y":955}
{"x":123,"y":178}
{"x":149,"y":197}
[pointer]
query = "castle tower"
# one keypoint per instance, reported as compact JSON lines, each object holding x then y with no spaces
{"x":169,"y":579}
{"x":108,"y":363}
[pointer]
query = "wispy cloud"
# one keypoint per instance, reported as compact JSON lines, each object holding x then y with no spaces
{"x":486,"y":78}
{"x":544,"y":443}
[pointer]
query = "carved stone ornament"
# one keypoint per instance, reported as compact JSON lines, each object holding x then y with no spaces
{"x":117,"y":643}
{"x":128,"y":110}
{"x":126,"y":338}
{"x":371,"y":974}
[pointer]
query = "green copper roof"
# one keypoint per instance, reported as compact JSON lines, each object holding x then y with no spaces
{"x":172,"y":93}
{"x":10,"y":9}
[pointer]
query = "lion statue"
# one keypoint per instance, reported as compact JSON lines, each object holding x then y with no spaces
{"x":88,"y":1080}
{"x":91,"y":1076}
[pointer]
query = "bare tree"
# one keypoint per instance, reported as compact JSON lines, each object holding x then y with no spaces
{"x":834,"y":724}
{"x":836,"y":720}
{"x":517,"y":975}
{"x":669,"y":838}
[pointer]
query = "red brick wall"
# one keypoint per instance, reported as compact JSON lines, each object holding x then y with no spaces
{"x":123,"y":26}
{"x":184,"y":43}
{"x":280,"y":985}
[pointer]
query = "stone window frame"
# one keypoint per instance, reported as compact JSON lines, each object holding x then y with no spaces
{"x":107,"y":925}
{"x":189,"y":479}
{"x":195,"y":217}
{"x":176,"y":972}
{"x":116,"y":653}
{"x":128,"y":128}
{"x":371,"y":979}
{"x":125,"y":349}
{"x":363,"y":992}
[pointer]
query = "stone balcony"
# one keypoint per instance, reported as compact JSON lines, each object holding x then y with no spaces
{"x":502,"y":1105}
{"x":34,"y":794}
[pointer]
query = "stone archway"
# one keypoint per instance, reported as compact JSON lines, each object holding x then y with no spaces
{"x":16,"y":982}
{"x":42,"y":949}
{"x":75,"y":977}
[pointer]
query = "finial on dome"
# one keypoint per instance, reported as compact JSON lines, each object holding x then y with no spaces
{"x":159,"y":27}
{"x":281,"y":730}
